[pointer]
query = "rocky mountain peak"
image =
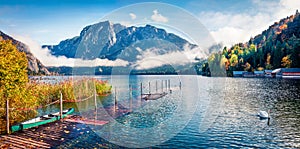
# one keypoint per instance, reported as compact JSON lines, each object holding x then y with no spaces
{"x":109,"y":40}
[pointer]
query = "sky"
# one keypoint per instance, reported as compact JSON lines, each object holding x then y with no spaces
{"x":47,"y":22}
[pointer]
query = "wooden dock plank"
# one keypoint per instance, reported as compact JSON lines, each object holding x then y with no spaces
{"x":88,"y":122}
{"x":16,"y":140}
{"x":154,"y":96}
{"x":8,"y":144}
{"x":32,"y":141}
{"x":17,"y":144}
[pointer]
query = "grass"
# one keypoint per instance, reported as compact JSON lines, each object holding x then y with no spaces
{"x":41,"y":94}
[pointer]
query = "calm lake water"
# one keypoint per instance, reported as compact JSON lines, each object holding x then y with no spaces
{"x":201,"y":112}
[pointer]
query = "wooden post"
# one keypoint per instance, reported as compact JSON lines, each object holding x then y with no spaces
{"x":61,"y":105}
{"x":156,"y":86}
{"x":7,"y":116}
{"x":180,"y":85}
{"x":141,"y":90}
{"x":166,"y":85}
{"x":130,"y":96}
{"x":95,"y":94}
{"x":162,"y":86}
{"x":95,"y":118}
{"x":149,"y":88}
{"x":169,"y":81}
{"x":116,"y":102}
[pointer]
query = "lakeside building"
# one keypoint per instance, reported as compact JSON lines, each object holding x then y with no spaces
{"x":259,"y":74}
{"x":238,"y":73}
{"x":276,"y":73}
{"x":290,"y":73}
{"x":248,"y":75}
{"x":268,"y":73}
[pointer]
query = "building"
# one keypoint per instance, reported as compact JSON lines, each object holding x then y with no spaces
{"x":276,"y":73}
{"x":259,"y":74}
{"x":248,"y":74}
{"x":238,"y":73}
{"x":268,"y":73}
{"x":291,"y":73}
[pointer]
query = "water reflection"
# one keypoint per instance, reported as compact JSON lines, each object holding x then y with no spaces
{"x":214,"y":112}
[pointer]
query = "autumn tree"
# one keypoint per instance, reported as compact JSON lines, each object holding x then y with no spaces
{"x":234,"y":60}
{"x":13,"y":80}
{"x":286,"y":62}
{"x":268,"y":62}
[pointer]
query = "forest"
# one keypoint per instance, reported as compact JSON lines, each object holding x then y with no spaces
{"x":276,"y":47}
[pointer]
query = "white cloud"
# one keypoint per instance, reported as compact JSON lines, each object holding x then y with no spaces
{"x":132,"y":15}
{"x":230,"y":27}
{"x":47,"y":59}
{"x":233,"y":28}
{"x":230,"y":35}
{"x":157,"y":17}
{"x":126,"y":23}
{"x":150,"y":58}
{"x":291,"y":4}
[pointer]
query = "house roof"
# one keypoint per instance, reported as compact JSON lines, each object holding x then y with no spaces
{"x":286,"y":70}
{"x":276,"y":70}
{"x":269,"y":71}
{"x":259,"y":72}
{"x":290,"y":70}
{"x":238,"y":72}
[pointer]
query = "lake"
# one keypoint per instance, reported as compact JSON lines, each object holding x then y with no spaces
{"x":200,"y":112}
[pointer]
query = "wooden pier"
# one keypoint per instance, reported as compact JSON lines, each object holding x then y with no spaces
{"x":153,"y":96}
{"x":53,"y":135}
{"x":45,"y":136}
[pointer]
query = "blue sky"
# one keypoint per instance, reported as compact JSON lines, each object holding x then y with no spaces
{"x":39,"y":22}
{"x":49,"y":21}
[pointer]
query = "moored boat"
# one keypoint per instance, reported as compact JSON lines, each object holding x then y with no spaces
{"x":41,"y":120}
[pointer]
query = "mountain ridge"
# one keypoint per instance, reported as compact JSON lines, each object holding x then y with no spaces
{"x":35,"y":67}
{"x":112,"y":41}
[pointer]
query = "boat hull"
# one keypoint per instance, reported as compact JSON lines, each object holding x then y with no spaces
{"x":39,"y":121}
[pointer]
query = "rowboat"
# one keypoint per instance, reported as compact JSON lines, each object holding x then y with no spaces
{"x":45,"y":119}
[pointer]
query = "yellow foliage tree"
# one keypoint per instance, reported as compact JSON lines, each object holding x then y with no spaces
{"x":268,"y":62}
{"x":286,"y":62}
{"x":247,"y":66}
{"x":233,"y":60}
{"x":13,"y":81}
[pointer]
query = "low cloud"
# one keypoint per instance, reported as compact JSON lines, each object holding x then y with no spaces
{"x":150,"y":58}
{"x":132,"y":16}
{"x":126,"y":23}
{"x":44,"y":55}
{"x":157,"y":17}
{"x":231,"y":27}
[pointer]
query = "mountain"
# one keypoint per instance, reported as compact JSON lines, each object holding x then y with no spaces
{"x":280,"y":31}
{"x":115,"y":41}
{"x":276,"y":47}
{"x":92,"y":39}
{"x":35,"y":67}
